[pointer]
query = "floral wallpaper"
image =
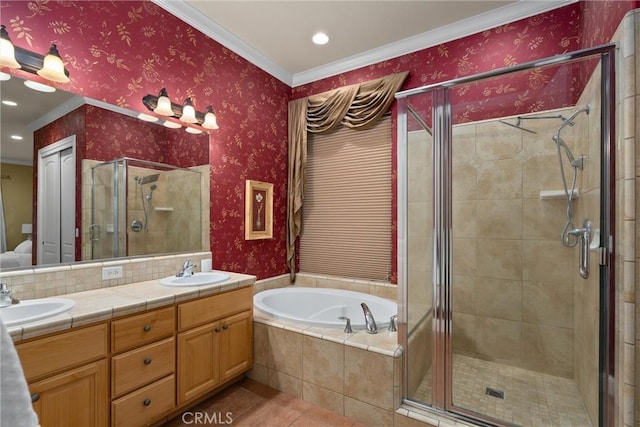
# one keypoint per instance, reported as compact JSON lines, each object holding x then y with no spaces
{"x":578,"y":25}
{"x":118,"y":51}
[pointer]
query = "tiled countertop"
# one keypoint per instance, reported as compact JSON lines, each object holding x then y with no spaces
{"x":107,"y":303}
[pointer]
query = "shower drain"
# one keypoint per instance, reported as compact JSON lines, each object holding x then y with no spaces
{"x":495,"y":393}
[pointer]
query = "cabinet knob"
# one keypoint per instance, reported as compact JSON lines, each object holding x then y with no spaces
{"x":217,"y":329}
{"x":225,"y":327}
{"x":147,"y":328}
{"x":147,"y":360}
{"x":35,"y":397}
{"x":146,"y":402}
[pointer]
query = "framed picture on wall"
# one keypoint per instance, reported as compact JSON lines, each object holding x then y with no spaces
{"x":258,"y":212}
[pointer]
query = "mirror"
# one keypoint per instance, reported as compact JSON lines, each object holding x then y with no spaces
{"x":102,"y":134}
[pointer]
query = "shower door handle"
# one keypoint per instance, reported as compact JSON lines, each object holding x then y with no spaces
{"x":584,"y":241}
{"x":94,"y":232}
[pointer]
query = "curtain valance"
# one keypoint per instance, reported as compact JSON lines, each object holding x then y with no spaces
{"x":355,"y":106}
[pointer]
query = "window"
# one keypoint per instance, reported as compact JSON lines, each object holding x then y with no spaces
{"x":346,"y":216}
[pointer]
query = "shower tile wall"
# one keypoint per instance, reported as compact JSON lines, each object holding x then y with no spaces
{"x":185,"y":228}
{"x":513,"y":279}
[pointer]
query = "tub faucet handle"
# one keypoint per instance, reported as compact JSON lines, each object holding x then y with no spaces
{"x":392,"y":323}
{"x":347,"y":328}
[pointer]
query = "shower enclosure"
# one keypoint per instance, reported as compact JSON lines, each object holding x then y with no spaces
{"x":143,"y":208}
{"x":505,"y":243}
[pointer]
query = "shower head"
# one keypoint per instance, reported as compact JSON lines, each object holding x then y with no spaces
{"x":147,"y":179}
{"x":517,"y":125}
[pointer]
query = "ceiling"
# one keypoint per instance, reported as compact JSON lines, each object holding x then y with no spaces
{"x":276,"y":36}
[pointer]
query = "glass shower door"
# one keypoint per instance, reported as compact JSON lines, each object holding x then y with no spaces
{"x":107,"y":187}
{"x":523,"y":188}
{"x":521,"y":283}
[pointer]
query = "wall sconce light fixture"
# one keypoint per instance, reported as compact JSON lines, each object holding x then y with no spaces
{"x":47,"y":66}
{"x":186,"y":113}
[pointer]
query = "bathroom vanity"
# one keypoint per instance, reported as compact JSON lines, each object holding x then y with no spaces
{"x":137,"y":354}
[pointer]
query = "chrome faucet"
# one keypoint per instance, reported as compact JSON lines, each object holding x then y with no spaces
{"x":5,"y":296}
{"x":187,"y":269}
{"x":370,"y":322}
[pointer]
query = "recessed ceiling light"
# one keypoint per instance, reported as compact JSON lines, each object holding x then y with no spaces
{"x":147,"y":117}
{"x":4,"y":77}
{"x":39,"y":86}
{"x":320,"y":38}
{"x":172,"y":125}
{"x":10,"y":103}
{"x":16,"y":137}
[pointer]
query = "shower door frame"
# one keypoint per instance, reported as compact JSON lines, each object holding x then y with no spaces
{"x":442,"y":152}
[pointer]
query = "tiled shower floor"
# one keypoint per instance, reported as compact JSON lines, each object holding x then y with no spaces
{"x":531,"y":399}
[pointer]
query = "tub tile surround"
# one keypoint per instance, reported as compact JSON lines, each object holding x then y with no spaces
{"x":356,"y":375}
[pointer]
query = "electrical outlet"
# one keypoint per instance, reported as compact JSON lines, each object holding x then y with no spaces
{"x":112,"y":272}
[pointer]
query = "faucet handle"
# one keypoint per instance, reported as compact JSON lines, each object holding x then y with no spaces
{"x":4,"y":289}
{"x":347,"y":328}
{"x":392,"y":323}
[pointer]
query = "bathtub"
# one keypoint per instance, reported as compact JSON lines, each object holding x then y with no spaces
{"x":323,"y":306}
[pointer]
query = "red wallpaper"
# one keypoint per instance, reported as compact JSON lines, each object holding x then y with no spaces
{"x":118,"y":51}
{"x":569,"y":28}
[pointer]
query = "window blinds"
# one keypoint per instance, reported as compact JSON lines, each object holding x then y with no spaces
{"x":346,"y":216}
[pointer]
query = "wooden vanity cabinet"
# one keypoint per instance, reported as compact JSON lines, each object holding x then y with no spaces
{"x":68,"y":377}
{"x":214,"y":342}
{"x":146,"y":366}
{"x":143,"y":367}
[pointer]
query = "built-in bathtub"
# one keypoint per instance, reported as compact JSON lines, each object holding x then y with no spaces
{"x":324,"y":307}
{"x":353,"y":374}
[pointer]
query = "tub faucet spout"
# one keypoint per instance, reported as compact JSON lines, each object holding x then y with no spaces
{"x":370,"y":322}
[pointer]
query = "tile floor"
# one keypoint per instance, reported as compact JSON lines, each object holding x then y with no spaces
{"x":531,"y":399}
{"x":249,"y":403}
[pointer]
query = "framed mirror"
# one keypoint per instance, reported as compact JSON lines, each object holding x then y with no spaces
{"x":43,"y":200}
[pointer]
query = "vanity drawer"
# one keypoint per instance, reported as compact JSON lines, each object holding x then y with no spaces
{"x":49,"y":355}
{"x":142,"y":329}
{"x":205,"y":310}
{"x":142,"y":366}
{"x":145,"y":405}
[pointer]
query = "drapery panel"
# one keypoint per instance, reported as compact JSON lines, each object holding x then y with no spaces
{"x":355,"y":106}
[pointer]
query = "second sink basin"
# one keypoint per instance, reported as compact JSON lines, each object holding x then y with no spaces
{"x":36,"y":309}
{"x":198,"y":279}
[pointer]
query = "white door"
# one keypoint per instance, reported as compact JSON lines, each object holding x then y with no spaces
{"x":56,"y":202}
{"x":49,"y":192}
{"x":67,"y":205}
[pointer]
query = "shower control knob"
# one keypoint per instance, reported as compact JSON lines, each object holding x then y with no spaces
{"x":136,"y":225}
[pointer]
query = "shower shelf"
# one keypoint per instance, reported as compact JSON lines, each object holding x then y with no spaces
{"x":557,"y":194}
{"x":163,"y":209}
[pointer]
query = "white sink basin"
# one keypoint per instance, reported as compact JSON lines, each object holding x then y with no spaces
{"x":35,"y":309}
{"x":198,"y":279}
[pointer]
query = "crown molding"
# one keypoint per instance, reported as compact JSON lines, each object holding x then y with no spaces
{"x":477,"y":24}
{"x":60,"y":111}
{"x":504,"y":15}
{"x":218,"y":33}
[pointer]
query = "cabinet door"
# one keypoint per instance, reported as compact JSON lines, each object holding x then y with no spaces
{"x":198,"y":366}
{"x":79,"y":397}
{"x":236,"y":345}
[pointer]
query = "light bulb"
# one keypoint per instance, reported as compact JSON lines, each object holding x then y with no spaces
{"x":7,"y":51}
{"x":210,"y":121}
{"x":188,"y":112}
{"x":52,"y":67}
{"x":164,"y":104}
